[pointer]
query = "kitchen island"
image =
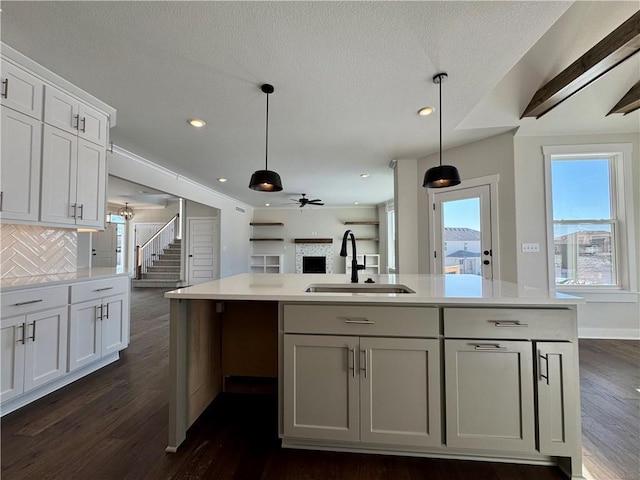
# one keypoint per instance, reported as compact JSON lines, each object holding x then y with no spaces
{"x":454,"y":367}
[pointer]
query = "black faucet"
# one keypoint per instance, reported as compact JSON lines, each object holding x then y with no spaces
{"x":354,"y":263}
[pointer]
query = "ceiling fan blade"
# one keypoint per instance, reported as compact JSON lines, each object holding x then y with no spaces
{"x":315,"y":200}
{"x":316,"y":203}
{"x":302,"y":205}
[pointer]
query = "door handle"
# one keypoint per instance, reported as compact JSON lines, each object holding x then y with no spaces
{"x":546,"y":359}
{"x":353,"y":361}
{"x":486,"y":262}
{"x":77,"y":125}
{"x":84,"y":124}
{"x":365,"y":362}
{"x":22,"y":338}
{"x":5,"y":90}
{"x":98,"y":316}
{"x":106,"y":314}
{"x":33,"y":337}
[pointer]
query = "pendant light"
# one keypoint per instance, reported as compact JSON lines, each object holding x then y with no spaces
{"x":266,"y":180}
{"x":125,"y":212}
{"x":442,"y":175}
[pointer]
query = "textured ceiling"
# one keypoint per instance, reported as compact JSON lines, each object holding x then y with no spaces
{"x":348,"y":76}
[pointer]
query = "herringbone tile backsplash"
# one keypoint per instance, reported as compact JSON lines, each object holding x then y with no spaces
{"x":32,"y":250}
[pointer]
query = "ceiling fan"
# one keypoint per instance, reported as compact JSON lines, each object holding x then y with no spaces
{"x":305,"y":201}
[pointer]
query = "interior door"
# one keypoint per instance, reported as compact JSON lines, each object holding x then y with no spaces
{"x":461,"y":231}
{"x":104,"y":247}
{"x":202,"y":245}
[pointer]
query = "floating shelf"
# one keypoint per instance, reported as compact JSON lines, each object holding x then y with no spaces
{"x":266,"y":224}
{"x":313,"y":240}
{"x":266,"y":239}
{"x":368,"y":239}
{"x":362,"y":223}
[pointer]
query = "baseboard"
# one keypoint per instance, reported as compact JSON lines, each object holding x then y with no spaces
{"x":610,"y":333}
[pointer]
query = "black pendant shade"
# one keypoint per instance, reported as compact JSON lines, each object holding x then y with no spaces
{"x":266,"y":180}
{"x":442,"y":175}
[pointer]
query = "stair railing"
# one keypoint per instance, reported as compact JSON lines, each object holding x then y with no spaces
{"x":152,"y":248}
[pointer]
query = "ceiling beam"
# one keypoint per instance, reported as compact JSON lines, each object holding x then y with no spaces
{"x":612,"y":50}
{"x":628,"y":103}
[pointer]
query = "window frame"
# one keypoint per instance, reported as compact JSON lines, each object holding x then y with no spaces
{"x":622,"y":215}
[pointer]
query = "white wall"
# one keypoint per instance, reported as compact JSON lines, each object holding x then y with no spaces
{"x":234,"y":224}
{"x":407,"y":190}
{"x":320,"y":222}
{"x":596,"y":318}
{"x":491,"y":156}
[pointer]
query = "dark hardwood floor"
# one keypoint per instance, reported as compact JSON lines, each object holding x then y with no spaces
{"x":112,"y":425}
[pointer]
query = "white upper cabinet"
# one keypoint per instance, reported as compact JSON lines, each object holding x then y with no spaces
{"x":21,"y":91}
{"x":65,"y":112}
{"x":19,"y":166}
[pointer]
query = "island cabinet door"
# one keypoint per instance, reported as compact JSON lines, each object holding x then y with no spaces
{"x":557,"y":398}
{"x":489,"y":395}
{"x":400,"y":391}
{"x":321,"y":387}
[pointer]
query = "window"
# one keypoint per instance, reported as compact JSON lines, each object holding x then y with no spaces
{"x":590,"y":235}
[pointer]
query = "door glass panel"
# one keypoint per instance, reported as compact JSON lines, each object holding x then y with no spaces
{"x":461,"y":236}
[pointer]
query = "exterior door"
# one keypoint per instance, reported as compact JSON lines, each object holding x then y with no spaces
{"x":202,"y":245}
{"x":104,"y":247}
{"x":400,"y":391}
{"x":321,"y":387}
{"x":462,"y":231}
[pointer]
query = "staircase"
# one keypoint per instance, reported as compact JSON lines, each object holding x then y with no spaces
{"x":165,"y":271}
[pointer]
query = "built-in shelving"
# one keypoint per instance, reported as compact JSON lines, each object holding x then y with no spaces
{"x":373,"y":263}
{"x":266,"y":263}
{"x":313,"y":240}
{"x":266,"y":239}
{"x":363,"y":223}
{"x":266,"y":224}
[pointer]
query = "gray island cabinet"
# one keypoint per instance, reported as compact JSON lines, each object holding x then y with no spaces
{"x":460,"y":368}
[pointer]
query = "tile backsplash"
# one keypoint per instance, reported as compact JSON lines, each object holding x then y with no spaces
{"x":29,"y":250}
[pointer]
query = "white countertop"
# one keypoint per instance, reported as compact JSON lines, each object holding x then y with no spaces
{"x":429,"y":289}
{"x":14,"y":283}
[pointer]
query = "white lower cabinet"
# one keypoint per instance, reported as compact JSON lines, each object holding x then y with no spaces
{"x":98,"y":327}
{"x":34,"y":350}
{"x":361,"y":389}
{"x":489,"y":395}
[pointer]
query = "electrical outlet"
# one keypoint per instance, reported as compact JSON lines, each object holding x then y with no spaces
{"x":530,"y":247}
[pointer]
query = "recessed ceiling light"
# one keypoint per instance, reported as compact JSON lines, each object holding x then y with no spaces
{"x":222,"y":179}
{"x":364,"y":175}
{"x":267,"y":204}
{"x":196,"y":122}
{"x":356,"y":203}
{"x":424,"y":111}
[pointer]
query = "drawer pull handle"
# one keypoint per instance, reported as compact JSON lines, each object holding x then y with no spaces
{"x":487,"y":346}
{"x":103,"y":289}
{"x":358,"y":320}
{"x":353,"y":361}
{"x":508,"y":323}
{"x":19,"y":304}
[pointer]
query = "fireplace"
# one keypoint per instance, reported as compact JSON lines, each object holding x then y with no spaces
{"x":314,"y":264}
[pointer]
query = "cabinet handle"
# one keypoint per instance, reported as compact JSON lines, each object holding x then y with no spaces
{"x":365,"y":363}
{"x":98,"y":316}
{"x":75,"y":208}
{"x":22,"y":339}
{"x":542,"y":357}
{"x":508,"y":323}
{"x":77,"y":125}
{"x":106,"y":314}
{"x":34,"y":332}
{"x":5,"y":90}
{"x":358,"y":320}
{"x":81,"y":211}
{"x":487,"y":346}
{"x":1,"y":199}
{"x":353,"y":361}
{"x":19,"y":304}
{"x":102,"y":289}
{"x":84,"y":124}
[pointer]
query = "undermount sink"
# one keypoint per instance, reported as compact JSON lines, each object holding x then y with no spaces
{"x":357,"y":288}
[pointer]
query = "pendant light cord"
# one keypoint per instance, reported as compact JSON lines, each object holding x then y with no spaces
{"x":266,"y":145}
{"x":440,"y":87}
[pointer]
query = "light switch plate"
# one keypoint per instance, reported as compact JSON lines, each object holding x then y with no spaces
{"x":530,"y":247}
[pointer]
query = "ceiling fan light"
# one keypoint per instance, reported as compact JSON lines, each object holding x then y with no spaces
{"x":265,"y":181}
{"x":441,"y":176}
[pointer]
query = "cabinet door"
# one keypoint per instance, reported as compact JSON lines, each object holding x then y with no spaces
{"x":85,"y":333}
{"x":61,"y":110}
{"x":20,"y":166}
{"x":93,"y":125}
{"x":115,"y":324}
{"x":400,"y":391}
{"x":489,"y":395}
{"x":557,"y":398}
{"x":12,"y":346}
{"x":46,"y":347}
{"x":21,"y":91}
{"x":321,"y":387}
{"x":91,"y":185}
{"x":59,"y":173}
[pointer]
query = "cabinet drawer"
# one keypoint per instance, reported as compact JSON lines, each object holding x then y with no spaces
{"x":92,"y":289}
{"x":33,"y":299}
{"x":366,"y":320}
{"x":516,"y":323}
